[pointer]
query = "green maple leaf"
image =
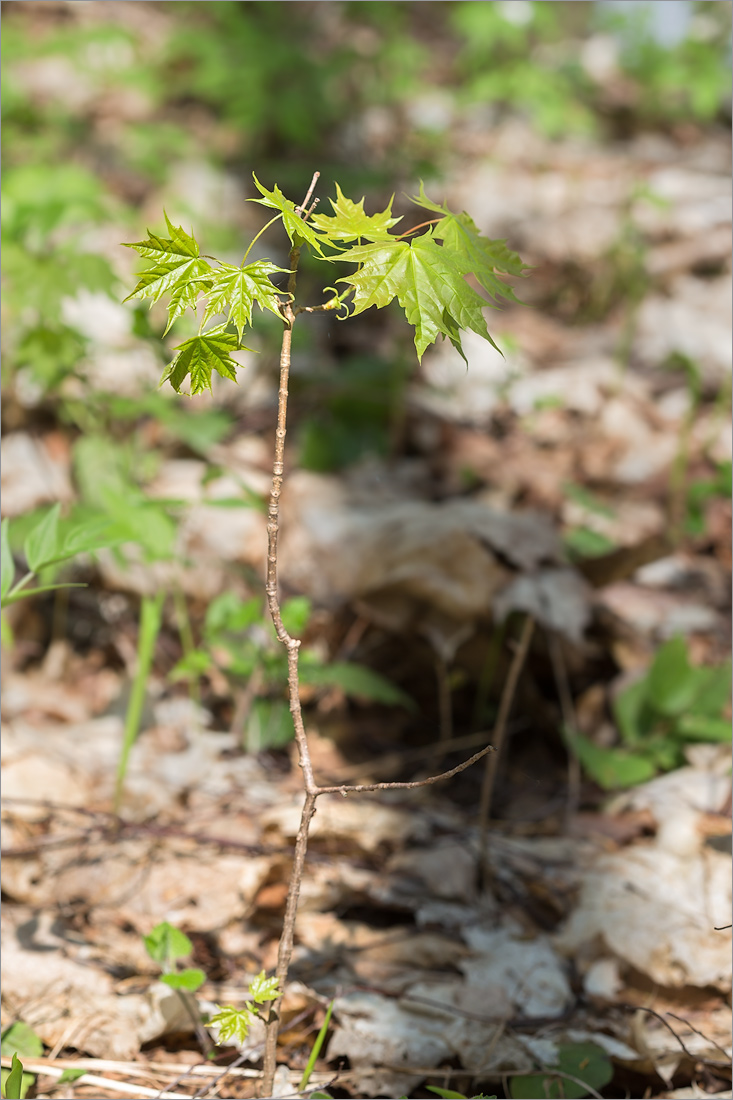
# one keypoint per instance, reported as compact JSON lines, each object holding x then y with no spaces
{"x":241,"y":287}
{"x":483,"y":256}
{"x":263,"y":989}
{"x":201,"y":355}
{"x":234,"y":1023}
{"x":349,"y":222}
{"x":428,"y":282}
{"x":177,"y":269}
{"x":296,"y":228}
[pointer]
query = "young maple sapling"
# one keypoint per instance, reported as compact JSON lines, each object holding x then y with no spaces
{"x":425,"y":268}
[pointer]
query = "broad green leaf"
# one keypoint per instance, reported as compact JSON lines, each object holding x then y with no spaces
{"x":612,"y":769}
{"x":356,"y":680}
{"x":713,"y":692}
{"x":7,"y":565}
{"x":233,"y":1023}
{"x":41,"y":547}
{"x":88,"y":536}
{"x":584,"y":1061}
{"x":190,"y":979}
{"x":166,"y":943}
{"x":21,"y":1039}
{"x":428,"y":282}
{"x":631,"y":714}
{"x":672,"y":683}
{"x":177,"y":269}
{"x":270,"y":725}
{"x":201,"y":355}
{"x":229,"y":613}
{"x":484,"y":256}
{"x":700,"y":727}
{"x":349,"y":222}
{"x":193,"y":665}
{"x":295,"y":614}
{"x":263,"y":989}
{"x":70,"y":1075}
{"x":296,"y":228}
{"x":241,"y":287}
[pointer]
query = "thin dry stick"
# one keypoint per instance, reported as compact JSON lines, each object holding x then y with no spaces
{"x":567,"y":707}
{"x":505,"y":706}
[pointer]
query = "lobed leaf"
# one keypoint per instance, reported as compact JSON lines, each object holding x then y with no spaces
{"x":199,"y":356}
{"x":428,"y":281}
{"x":263,"y":989}
{"x":240,"y":288}
{"x":349,"y":222}
{"x":178,"y":270}
{"x":296,"y":228}
{"x":233,"y":1023}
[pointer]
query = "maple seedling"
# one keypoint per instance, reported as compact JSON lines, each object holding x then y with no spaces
{"x":426,"y":268}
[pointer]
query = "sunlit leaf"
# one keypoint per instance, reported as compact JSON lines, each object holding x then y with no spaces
{"x":262,"y":988}
{"x":166,"y":943}
{"x":199,"y":356}
{"x":177,"y":269}
{"x":349,"y":222}
{"x":190,"y":979}
{"x":296,"y":228}
{"x":428,"y":281}
{"x":233,"y":1023}
{"x":239,"y":288}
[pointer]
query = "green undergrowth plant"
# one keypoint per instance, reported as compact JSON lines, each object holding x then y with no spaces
{"x":19,"y":1041}
{"x":673,"y":705}
{"x":239,"y":641}
{"x":166,"y":944}
{"x":427,"y":269}
{"x":48,"y":543}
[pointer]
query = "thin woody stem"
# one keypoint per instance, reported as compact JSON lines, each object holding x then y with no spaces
{"x":285,"y":947}
{"x":359,"y":788}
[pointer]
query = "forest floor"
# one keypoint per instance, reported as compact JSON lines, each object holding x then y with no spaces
{"x":582,"y":479}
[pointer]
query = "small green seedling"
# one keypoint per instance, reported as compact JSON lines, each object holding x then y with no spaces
{"x":672,"y":705}
{"x":47,"y":544}
{"x":239,"y":640}
{"x":19,"y":1039}
{"x":234,"y":1023}
{"x":15,"y":1082}
{"x":426,"y":268}
{"x":166,"y":945}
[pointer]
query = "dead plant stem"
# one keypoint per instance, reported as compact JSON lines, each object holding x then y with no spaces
{"x":492,"y":762}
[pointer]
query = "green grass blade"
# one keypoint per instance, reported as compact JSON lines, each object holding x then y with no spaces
{"x":150,"y":618}
{"x":316,"y":1050}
